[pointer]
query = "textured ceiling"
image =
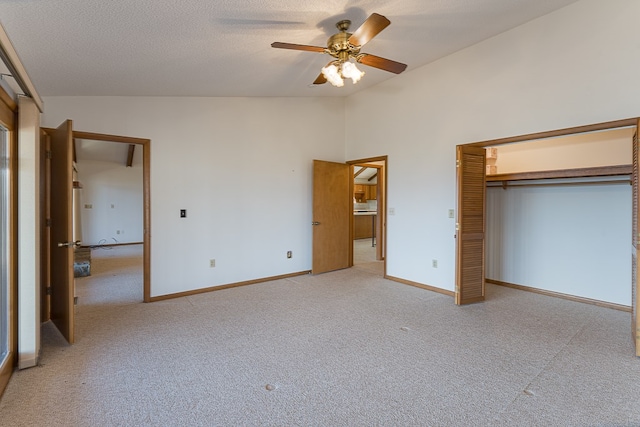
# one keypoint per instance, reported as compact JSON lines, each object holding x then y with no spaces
{"x":222,"y":47}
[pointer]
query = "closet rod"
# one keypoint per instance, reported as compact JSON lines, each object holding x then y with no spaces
{"x":505,"y":184}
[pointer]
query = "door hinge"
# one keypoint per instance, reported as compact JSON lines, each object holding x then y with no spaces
{"x":47,"y":222}
{"x":457,"y":163}
{"x":48,"y":290}
{"x":49,"y":154}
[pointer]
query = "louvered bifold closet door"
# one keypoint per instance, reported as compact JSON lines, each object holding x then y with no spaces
{"x":470,"y":233}
{"x":635,"y":297}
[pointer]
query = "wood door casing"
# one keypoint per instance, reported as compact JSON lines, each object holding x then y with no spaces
{"x":470,"y":251}
{"x":332,"y":208}
{"x":8,"y":121}
{"x":61,"y":231}
{"x":45,"y":236}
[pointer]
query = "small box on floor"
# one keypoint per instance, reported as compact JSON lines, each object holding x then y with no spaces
{"x":81,"y":269}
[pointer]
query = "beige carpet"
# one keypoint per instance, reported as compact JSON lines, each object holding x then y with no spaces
{"x":364,"y":257}
{"x":340,"y":349}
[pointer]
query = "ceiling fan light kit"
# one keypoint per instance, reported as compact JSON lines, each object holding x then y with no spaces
{"x":345,"y":47}
{"x":335,"y":73}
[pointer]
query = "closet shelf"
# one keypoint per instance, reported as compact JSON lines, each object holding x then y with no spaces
{"x":619,"y":170}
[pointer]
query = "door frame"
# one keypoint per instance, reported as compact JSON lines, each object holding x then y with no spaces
{"x":550,"y":134}
{"x":382,"y":206}
{"x":8,"y":118}
{"x":146,"y":188}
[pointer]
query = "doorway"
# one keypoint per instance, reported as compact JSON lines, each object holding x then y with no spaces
{"x":108,"y":219}
{"x":369,"y":225}
{"x":50,"y":194}
{"x":334,"y":203}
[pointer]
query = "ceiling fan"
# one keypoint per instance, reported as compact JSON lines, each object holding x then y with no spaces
{"x":344,"y":46}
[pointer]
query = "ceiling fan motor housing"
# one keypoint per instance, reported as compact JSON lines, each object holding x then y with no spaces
{"x":339,"y":47}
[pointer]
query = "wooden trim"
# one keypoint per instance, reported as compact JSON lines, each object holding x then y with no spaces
{"x":109,"y":138}
{"x":132,"y":148}
{"x":146,"y":190}
{"x":6,"y":372}
{"x":421,"y":286}
{"x":561,"y":295}
{"x":9,"y":55}
{"x":368,"y":162}
{"x":555,"y":133}
{"x":619,"y":170}
{"x":372,"y":177}
{"x":8,"y":100}
{"x":45,"y":215}
{"x":8,"y":110}
{"x":12,"y":145}
{"x":228,"y":286}
{"x":355,"y":175}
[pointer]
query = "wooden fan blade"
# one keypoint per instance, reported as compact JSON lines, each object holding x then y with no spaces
{"x":304,"y":47}
{"x":369,"y":29}
{"x":320,"y":80}
{"x":382,"y":63}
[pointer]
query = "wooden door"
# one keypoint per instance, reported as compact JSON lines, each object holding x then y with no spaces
{"x":470,"y":225}
{"x":332,"y":208}
{"x":61,"y":247}
{"x":635,"y":296}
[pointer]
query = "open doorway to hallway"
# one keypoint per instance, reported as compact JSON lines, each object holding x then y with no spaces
{"x":368,"y":214}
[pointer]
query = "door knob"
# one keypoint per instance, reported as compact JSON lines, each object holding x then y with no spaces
{"x":69,"y":244}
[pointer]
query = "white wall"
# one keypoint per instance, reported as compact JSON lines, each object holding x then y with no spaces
{"x":111,"y":202}
{"x":573,"y":67}
{"x":568,"y":239}
{"x":593,"y":149}
{"x":242,"y":167}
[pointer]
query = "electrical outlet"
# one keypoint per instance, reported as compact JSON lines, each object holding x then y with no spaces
{"x":434,"y":263}
{"x":113,"y":206}
{"x":451,"y":213}
{"x":289,"y":254}
{"x":88,"y":206}
{"x":212,"y":263}
{"x":392,"y":211}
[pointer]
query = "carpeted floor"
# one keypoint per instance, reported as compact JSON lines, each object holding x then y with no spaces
{"x":364,"y":257}
{"x":347,"y":348}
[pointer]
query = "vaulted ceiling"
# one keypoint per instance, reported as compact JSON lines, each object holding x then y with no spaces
{"x":223,"y":47}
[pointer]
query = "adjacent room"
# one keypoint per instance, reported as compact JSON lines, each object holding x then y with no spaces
{"x":319,"y":213}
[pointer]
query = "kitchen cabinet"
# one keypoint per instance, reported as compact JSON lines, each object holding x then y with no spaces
{"x":364,"y":226}
{"x":364,"y":192}
{"x":360,"y":193}
{"x":372,"y":192}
